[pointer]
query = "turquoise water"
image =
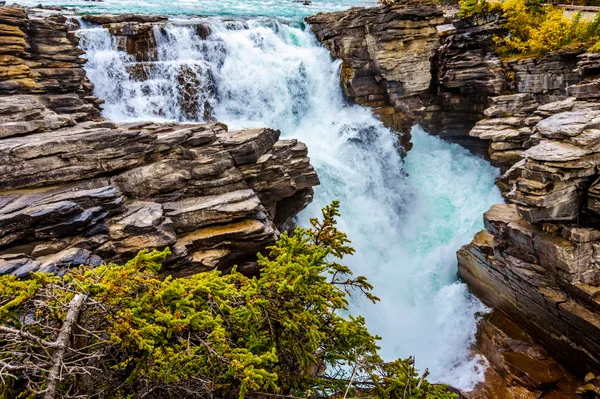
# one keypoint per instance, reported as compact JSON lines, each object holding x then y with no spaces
{"x":290,"y":10}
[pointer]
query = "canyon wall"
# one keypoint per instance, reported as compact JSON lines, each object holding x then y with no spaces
{"x":537,"y":258}
{"x":78,"y":189}
{"x":413,"y":63}
{"x":537,"y":119}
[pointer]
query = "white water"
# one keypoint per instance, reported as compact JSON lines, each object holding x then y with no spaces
{"x":406,"y":230}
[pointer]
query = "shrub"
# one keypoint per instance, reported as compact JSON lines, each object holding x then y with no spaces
{"x":534,"y":29}
{"x":595,"y":48}
{"x":554,"y":32}
{"x":119,"y":331}
{"x":470,"y":8}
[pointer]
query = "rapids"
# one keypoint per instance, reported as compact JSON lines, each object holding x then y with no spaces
{"x":406,"y":218}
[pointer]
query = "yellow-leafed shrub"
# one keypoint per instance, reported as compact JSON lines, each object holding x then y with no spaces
{"x":534,"y":29}
{"x":554,"y":32}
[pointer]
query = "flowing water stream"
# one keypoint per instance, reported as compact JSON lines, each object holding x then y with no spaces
{"x":406,"y":218}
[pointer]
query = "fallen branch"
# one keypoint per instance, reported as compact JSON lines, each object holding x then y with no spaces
{"x":62,"y":345}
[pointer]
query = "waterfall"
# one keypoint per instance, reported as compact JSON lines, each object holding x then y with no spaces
{"x":406,"y":219}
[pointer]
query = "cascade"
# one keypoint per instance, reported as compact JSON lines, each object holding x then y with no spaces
{"x":406,"y":218}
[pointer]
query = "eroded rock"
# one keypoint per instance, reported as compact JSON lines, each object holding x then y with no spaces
{"x":77,"y":189}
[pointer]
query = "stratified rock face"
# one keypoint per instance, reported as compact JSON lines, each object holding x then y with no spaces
{"x":467,"y":74}
{"x":545,"y":280}
{"x":413,"y":66}
{"x":537,"y":260}
{"x":537,"y":84}
{"x":79,"y":191}
{"x":39,"y":55}
{"x":518,"y":366}
{"x":215,"y":197}
{"x":386,"y":54}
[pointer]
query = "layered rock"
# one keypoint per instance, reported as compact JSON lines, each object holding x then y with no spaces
{"x":77,"y":189}
{"x":39,"y":55}
{"x":536,"y":86}
{"x":215,"y":197}
{"x":412,"y":65}
{"x":518,"y":367}
{"x":386,"y":57}
{"x":536,"y":261}
{"x":466,"y":75}
{"x":543,"y":278}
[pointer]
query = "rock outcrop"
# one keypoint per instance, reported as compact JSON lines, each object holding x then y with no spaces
{"x":386,"y":58}
{"x":536,"y":261}
{"x":78,"y":189}
{"x":39,"y":56}
{"x":413,"y":65}
{"x":466,"y":75}
{"x":518,"y":367}
{"x":535,"y":85}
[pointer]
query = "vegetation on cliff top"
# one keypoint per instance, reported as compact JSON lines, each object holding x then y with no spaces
{"x":535,"y":29}
{"x":122,"y":332}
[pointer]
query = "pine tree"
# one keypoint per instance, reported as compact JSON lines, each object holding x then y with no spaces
{"x":120,"y":331}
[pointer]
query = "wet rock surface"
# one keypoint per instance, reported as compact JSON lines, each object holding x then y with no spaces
{"x":78,"y":189}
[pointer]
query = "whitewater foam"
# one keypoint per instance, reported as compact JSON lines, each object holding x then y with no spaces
{"x":406,"y":229}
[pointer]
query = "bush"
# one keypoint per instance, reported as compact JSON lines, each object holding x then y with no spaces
{"x":470,"y":8}
{"x":534,"y":29}
{"x":595,"y":48}
{"x":554,"y":32}
{"x":122,"y":332}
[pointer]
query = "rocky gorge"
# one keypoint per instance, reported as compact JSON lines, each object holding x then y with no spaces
{"x":537,"y":120}
{"x":77,"y":188}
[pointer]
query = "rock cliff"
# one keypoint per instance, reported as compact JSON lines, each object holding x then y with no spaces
{"x":538,"y":119}
{"x":414,"y":64}
{"x":536,"y":260}
{"x":78,"y":189}
{"x":386,"y":58}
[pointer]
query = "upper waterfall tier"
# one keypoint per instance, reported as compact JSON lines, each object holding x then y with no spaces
{"x":289,"y":10}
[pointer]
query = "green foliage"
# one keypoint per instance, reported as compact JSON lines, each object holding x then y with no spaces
{"x":470,"y":8}
{"x":595,"y":48}
{"x":284,"y":332}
